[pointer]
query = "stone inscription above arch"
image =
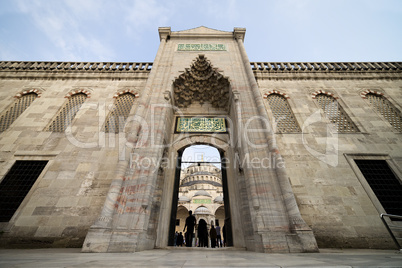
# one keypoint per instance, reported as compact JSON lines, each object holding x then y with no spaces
{"x":201,"y":83}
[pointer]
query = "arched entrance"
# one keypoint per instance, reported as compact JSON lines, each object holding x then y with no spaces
{"x":263,"y":212}
{"x":200,"y":186}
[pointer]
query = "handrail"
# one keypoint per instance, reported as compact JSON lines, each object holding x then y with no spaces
{"x":390,"y":228}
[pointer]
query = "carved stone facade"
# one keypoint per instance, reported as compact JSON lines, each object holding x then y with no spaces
{"x":201,"y":83}
{"x":285,"y":189}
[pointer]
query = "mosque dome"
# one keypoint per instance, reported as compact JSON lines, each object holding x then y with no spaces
{"x":202,"y":210}
{"x":202,"y":193}
{"x":218,"y":199}
{"x":184,"y":198}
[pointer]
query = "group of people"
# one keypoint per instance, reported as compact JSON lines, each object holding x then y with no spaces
{"x":214,"y":233}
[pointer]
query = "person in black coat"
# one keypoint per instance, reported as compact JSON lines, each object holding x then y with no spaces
{"x":202,"y":233}
{"x":190,"y":224}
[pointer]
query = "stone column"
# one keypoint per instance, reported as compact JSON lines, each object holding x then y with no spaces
{"x":100,"y":233}
{"x":303,"y":239}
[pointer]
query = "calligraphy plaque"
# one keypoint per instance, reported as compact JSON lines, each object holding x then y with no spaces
{"x":201,"y":47}
{"x":201,"y":125}
{"x":202,"y":201}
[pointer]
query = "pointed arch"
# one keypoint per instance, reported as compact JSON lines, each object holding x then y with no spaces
{"x":117,"y":117}
{"x":334,"y":112}
{"x":38,"y":93}
{"x":383,"y":106}
{"x":285,"y":120}
{"x":67,"y":113}
{"x":22,"y":102}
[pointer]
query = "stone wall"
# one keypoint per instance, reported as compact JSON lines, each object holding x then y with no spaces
{"x":68,"y":197}
{"x":331,"y":198}
{"x":88,"y":187}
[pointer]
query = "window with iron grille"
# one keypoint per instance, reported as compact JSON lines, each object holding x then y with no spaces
{"x":67,"y":113}
{"x":16,"y":185}
{"x":384,"y":183}
{"x":335,"y":113}
{"x":284,"y":117}
{"x":386,"y":109}
{"x":16,"y":110}
{"x":116,"y":119}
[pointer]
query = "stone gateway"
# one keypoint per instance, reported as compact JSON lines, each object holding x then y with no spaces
{"x":91,"y":152}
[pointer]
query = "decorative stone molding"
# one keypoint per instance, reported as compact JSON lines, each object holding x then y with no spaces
{"x":314,"y":94}
{"x":220,"y":143}
{"x":121,"y":92}
{"x":275,"y":92}
{"x":76,"y":66}
{"x":164,"y":32}
{"x":201,"y":83}
{"x":36,"y":91}
{"x":239,"y":33}
{"x":236,"y":96}
{"x":364,"y":93}
{"x":167,"y":95}
{"x":86,"y":92}
{"x":325,"y":66}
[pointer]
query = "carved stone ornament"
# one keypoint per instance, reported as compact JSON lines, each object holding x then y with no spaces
{"x":201,"y":83}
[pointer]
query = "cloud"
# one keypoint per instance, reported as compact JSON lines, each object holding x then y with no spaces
{"x":140,"y":16}
{"x":201,"y":152}
{"x":62,"y":22}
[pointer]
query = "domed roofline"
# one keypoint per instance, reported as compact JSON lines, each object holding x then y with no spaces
{"x":202,"y":193}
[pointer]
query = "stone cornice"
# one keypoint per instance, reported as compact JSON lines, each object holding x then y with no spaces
{"x":164,"y":32}
{"x":54,"y":66}
{"x":301,"y":67}
{"x":262,"y":70}
{"x":201,"y":32}
{"x":326,"y":70}
{"x":57,"y":66}
{"x":239,"y":33}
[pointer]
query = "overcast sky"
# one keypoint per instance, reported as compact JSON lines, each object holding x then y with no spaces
{"x":127,"y":30}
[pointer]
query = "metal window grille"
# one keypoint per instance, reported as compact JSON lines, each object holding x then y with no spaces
{"x":335,"y":113}
{"x":16,"y":110}
{"x":284,"y":117}
{"x":119,"y":114}
{"x":386,"y":109}
{"x":385,"y":185}
{"x":67,"y":113}
{"x":16,"y":185}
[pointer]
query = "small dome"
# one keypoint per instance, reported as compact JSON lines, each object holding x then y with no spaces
{"x":184,"y":198}
{"x":218,"y":199}
{"x":202,"y":210}
{"x":202,"y":192}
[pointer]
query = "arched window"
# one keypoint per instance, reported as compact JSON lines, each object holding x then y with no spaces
{"x":284,"y":117}
{"x":386,"y":109}
{"x":121,"y":109}
{"x":335,"y":113}
{"x":16,"y":110}
{"x":67,"y":113}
